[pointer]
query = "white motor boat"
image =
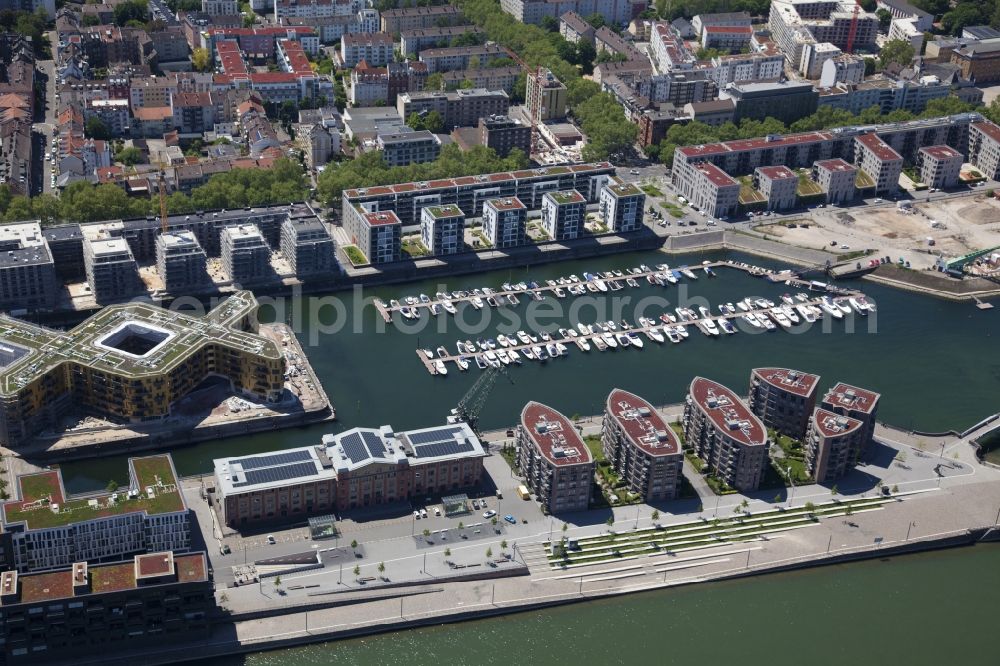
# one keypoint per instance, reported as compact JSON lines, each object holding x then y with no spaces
{"x":477,"y":302}
{"x":709,"y":327}
{"x":751,"y":319}
{"x":681,"y":330}
{"x":440,"y":368}
{"x":636,"y":340}
{"x":428,"y":353}
{"x":780,"y":317}
{"x":462,"y":363}
{"x":789,"y":312}
{"x":523,"y":337}
{"x":623,"y":339}
{"x":514,"y":356}
{"x":449,"y":307}
{"x":609,"y":340}
{"x":806,"y":313}
{"x":830,"y":308}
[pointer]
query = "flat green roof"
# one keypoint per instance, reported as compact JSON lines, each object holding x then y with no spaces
{"x":625,"y":189}
{"x":48,"y":348}
{"x":450,"y":210}
{"x":154,"y":491}
{"x":567,"y":197}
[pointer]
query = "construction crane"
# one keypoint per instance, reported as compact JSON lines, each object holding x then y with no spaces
{"x":853,"y":31}
{"x":534,"y":112}
{"x":472,"y":403}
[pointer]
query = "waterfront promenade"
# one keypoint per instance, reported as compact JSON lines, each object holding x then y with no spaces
{"x":939,"y":499}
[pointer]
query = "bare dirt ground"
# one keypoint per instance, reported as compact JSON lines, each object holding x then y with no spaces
{"x":963,"y":225}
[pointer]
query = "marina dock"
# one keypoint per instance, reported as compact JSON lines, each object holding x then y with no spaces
{"x":757,"y":313}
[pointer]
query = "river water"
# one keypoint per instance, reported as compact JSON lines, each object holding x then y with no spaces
{"x":934,"y":361}
{"x":931,"y":608}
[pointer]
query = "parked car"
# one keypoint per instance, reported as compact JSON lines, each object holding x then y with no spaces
{"x":416,"y":514}
{"x":423,"y":513}
{"x":489,"y":514}
{"x":437,"y":511}
{"x":271,"y":540}
{"x":510,"y":519}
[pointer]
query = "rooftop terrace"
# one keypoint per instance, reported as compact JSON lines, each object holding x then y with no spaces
{"x":88,"y":343}
{"x":44,"y":503}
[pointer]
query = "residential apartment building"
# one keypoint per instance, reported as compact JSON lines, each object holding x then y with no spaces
{"x":442,"y":229}
{"x":783,"y":399}
{"x":794,"y":24}
{"x":491,"y":78}
{"x":797,"y":151}
{"x":193,"y":113}
{"x":641,"y":447}
{"x":621,"y":206}
{"x":877,"y":159}
{"x":553,"y":459}
{"x":378,"y":235}
{"x":846,"y":68}
{"x":939,"y":166}
{"x":837,"y":179}
{"x":715,"y":113}
{"x":984,"y":148}
{"x":726,"y":38}
{"x":46,"y":528}
{"x":503,"y":134}
{"x":220,"y":7}
{"x":702,"y":22}
{"x":112,"y":272}
{"x":245,"y":254}
{"x":27,"y":268}
{"x":615,"y":12}
{"x":359,"y":468}
{"x":403,"y":148}
{"x":153,"y":600}
{"x":834,"y":444}
{"x":708,"y":188}
{"x":451,"y":58}
{"x":504,"y":222}
{"x":308,"y":247}
{"x":375,"y":49}
{"x":575,"y":28}
{"x":903,"y":10}
{"x":857,"y":403}
{"x":668,"y":50}
{"x":778,"y":184}
{"x":470,"y":193}
{"x":743,"y":67}
{"x":181,"y":262}
{"x":413,"y":41}
{"x":459,"y":108}
{"x":725,"y":434}
{"x":395,"y":21}
{"x":547,"y":95}
{"x":563,"y":214}
{"x":787,"y":101}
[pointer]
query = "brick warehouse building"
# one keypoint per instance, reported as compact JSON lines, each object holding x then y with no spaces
{"x":355,"y":469}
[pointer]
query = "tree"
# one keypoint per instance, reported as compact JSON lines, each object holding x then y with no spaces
{"x":434,"y":81}
{"x":596,"y":20}
{"x":867,"y":5}
{"x":884,"y":19}
{"x":131,"y":10}
{"x":549,"y":24}
{"x":810,"y":508}
{"x":96,"y":129}
{"x":129,"y":156}
{"x":835,"y":490}
{"x":585,"y":56}
{"x":427,"y":533}
{"x":381,"y":567}
{"x":964,"y":14}
{"x":610,"y":521}
{"x":112,"y":486}
{"x":489,"y":553}
{"x":434,"y":122}
{"x":354,"y":544}
{"x":655,"y":515}
{"x":503,"y":545}
{"x":201,"y":59}
{"x":447,"y":552}
{"x":777,"y":498}
{"x":565,"y":527}
{"x":357,"y":570}
{"x":461,"y":525}
{"x":869,"y":66}
{"x":897,"y":51}
{"x":895,"y":489}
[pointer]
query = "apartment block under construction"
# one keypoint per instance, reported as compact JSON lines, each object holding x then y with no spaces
{"x":129,"y":363}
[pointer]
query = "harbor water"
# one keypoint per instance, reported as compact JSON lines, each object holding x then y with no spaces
{"x":934,"y":361}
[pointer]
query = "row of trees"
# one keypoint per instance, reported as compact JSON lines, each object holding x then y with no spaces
{"x":84,"y":202}
{"x":826,"y":117}
{"x":370,"y":169}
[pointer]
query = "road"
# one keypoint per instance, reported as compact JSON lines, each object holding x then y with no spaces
{"x":45,"y":130}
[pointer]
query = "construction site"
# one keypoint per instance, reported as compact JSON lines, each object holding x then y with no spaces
{"x":925,"y":234}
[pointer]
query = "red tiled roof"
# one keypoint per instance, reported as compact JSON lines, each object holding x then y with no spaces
{"x":641,"y":423}
{"x":989,"y":129}
{"x":728,"y":413}
{"x":792,"y":381}
{"x":737,"y":29}
{"x":554,"y":436}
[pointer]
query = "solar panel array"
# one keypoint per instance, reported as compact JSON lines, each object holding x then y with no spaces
{"x":280,"y":473}
{"x":256,"y":462}
{"x":374,"y":443}
{"x":439,"y":442}
{"x":354,"y":447}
